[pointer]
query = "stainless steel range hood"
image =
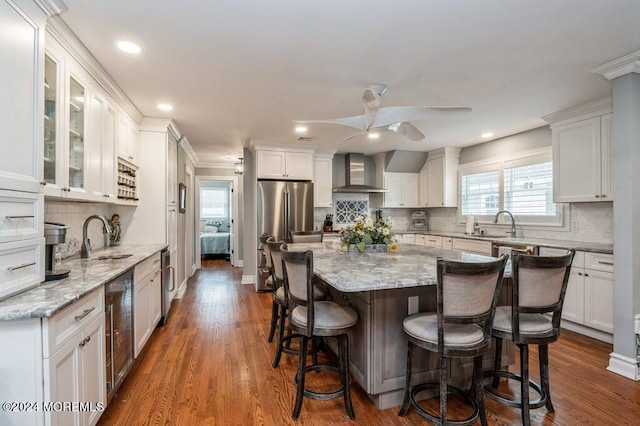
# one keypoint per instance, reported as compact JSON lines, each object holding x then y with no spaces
{"x":354,"y":176}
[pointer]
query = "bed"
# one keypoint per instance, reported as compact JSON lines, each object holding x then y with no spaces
{"x":215,"y":238}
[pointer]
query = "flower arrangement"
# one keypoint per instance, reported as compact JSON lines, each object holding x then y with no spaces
{"x":365,"y":232}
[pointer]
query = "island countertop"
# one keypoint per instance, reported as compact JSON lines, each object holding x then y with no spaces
{"x":85,"y":276}
{"x":410,"y":266}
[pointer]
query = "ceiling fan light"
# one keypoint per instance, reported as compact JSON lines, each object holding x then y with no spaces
{"x":486,"y":135}
{"x":238,"y":168}
{"x":373,"y":135}
{"x":301,"y":129}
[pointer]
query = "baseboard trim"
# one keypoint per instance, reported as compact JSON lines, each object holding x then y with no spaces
{"x":248,"y":279}
{"x":587,"y":331}
{"x":624,"y":366}
{"x":181,"y":290}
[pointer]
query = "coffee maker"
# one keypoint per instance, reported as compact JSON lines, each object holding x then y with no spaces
{"x":54,"y":234}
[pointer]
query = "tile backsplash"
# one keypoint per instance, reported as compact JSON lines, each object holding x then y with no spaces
{"x":73,"y":214}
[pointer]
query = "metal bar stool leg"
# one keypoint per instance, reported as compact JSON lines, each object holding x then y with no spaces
{"x":443,"y":389}
{"x":283,"y":315}
{"x":406,"y":401}
{"x":543,"y":355}
{"x":274,"y":320}
{"x":301,"y":376}
{"x":478,"y":391}
{"x":524,"y":383}
{"x":497,"y":361}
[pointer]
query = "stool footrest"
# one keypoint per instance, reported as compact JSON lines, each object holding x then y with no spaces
{"x":491,"y":391}
{"x":322,"y":396}
{"x":471,"y":419}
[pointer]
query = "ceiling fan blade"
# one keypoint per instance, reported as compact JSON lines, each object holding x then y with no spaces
{"x":408,"y":130}
{"x":356,"y":122}
{"x":387,"y":116}
{"x":371,"y":102}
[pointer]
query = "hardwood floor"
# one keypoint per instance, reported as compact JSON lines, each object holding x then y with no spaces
{"x":211,"y":365}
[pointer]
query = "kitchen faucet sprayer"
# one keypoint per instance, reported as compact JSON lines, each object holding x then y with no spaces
{"x":85,"y":250}
{"x":513,"y":222}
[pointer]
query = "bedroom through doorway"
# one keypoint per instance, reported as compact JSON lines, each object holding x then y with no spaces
{"x":217,"y":216}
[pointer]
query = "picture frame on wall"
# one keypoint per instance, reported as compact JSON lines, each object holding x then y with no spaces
{"x":182,"y":197}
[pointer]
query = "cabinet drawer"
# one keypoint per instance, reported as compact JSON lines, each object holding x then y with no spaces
{"x":142,"y":269}
{"x":155,"y":262}
{"x":21,"y":266}
{"x":433,"y":241}
{"x":598,"y":261}
{"x":61,"y":327}
{"x":472,"y":246}
{"x":21,"y":217}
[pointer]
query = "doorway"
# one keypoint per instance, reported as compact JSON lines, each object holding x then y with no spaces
{"x":216,"y":218}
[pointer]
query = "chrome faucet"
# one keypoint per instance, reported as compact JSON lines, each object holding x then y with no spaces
{"x":85,"y":250}
{"x":513,"y":222}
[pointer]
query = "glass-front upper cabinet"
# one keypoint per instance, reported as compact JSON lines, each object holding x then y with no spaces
{"x":50,"y":108}
{"x":76,"y":133}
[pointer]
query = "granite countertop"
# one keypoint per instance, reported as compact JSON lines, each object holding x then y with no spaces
{"x":540,"y":242}
{"x":411,"y":266}
{"x":86,"y":275}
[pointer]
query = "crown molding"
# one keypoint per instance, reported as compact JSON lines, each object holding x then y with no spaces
{"x":52,"y":7}
{"x":618,"y":67}
{"x":584,"y":111}
{"x":188,"y":150}
{"x":258,"y":144}
{"x":59,"y":30}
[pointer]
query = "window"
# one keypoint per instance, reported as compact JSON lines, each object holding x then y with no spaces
{"x":214,"y":203}
{"x":523,"y":186}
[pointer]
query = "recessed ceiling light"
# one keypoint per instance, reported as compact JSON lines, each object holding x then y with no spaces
{"x":301,"y":129}
{"x":165,"y":107}
{"x":486,"y":135}
{"x":129,"y":47}
{"x":374,"y":135}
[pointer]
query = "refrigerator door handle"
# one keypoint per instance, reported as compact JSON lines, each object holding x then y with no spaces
{"x":287,"y":223}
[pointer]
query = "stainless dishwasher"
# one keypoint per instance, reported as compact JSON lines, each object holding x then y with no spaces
{"x":119,"y":330}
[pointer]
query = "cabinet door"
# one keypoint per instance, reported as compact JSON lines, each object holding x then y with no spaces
{"x":423,"y":188}
{"x":108,"y":157}
{"x":420,"y":240}
{"x":573,"y":307}
{"x":447,"y":243}
{"x":435,"y":172}
{"x":576,"y":161}
{"x":393,"y":185}
{"x":172,"y":228}
{"x":76,"y":135}
{"x":155,"y":298}
{"x":141,"y":314}
{"x":299,"y":165}
{"x":62,"y":370}
{"x":92,"y":374}
{"x":21,"y":53}
{"x":322,"y":181}
{"x":270,"y":164}
{"x":101,"y":148}
{"x":52,"y":111}
{"x":598,"y":288}
{"x":127,"y":137}
{"x":409,"y":190}
{"x":172,"y":172}
{"x":606,"y":157}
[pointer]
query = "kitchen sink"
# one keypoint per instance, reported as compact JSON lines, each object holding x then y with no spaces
{"x":113,"y":256}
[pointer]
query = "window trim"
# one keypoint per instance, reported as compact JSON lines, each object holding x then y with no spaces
{"x":561,"y":220}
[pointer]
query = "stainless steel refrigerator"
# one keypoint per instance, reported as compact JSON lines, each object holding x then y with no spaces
{"x":283,"y":206}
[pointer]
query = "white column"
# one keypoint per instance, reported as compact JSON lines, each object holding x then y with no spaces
{"x":625,"y":77}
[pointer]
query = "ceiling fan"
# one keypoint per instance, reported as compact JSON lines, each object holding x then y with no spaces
{"x":395,"y":119}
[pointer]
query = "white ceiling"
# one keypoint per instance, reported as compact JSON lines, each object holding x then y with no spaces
{"x":238,"y":71}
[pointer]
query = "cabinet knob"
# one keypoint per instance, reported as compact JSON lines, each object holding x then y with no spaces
{"x":603,"y":196}
{"x":597,"y":196}
{"x":130,"y":157}
{"x":586,"y":275}
{"x":580,"y":273}
{"x":43,"y":182}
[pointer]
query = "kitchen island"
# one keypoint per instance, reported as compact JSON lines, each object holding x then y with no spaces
{"x":384,"y":288}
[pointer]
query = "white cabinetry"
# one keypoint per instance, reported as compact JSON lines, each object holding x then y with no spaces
{"x":407,"y":238}
{"x":589,"y":297}
{"x":432,"y":241}
{"x":74,"y":359}
{"x":146,"y":300}
{"x":21,"y":173}
{"x":447,"y":243}
{"x":101,"y":147}
{"x":287,"y":165}
{"x":322,"y":180}
{"x":66,"y":123}
{"x":127,"y":138}
{"x":439,"y":179}
{"x":582,"y":153}
{"x":21,"y":48}
{"x":402,"y":189}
